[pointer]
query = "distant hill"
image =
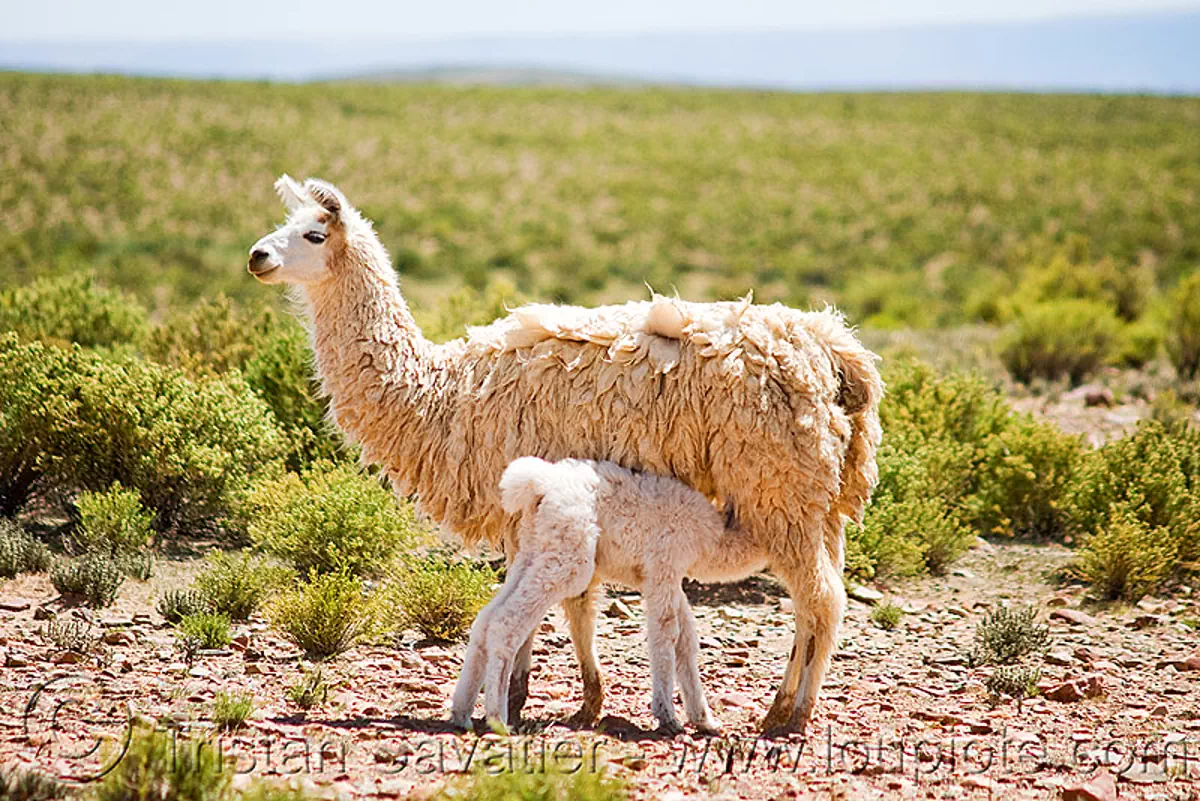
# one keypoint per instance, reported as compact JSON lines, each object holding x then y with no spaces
{"x":1152,"y":52}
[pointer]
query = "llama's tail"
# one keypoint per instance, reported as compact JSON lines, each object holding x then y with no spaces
{"x":859,"y":394}
{"x":524,"y":483}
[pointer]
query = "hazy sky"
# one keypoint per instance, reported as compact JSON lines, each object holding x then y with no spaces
{"x":376,"y":19}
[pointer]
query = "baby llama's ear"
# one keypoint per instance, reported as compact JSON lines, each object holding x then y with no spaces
{"x":290,"y":192}
{"x":326,"y":194}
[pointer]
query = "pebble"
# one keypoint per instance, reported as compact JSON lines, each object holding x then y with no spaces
{"x":619,"y":610}
{"x":1074,"y":617}
{"x":14,"y":605}
{"x":863,"y":594}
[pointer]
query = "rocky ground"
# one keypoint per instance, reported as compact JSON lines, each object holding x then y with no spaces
{"x":901,"y":716}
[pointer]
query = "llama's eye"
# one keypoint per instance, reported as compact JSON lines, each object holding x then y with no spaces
{"x":315,"y":237}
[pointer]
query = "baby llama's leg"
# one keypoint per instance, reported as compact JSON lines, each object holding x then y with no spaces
{"x":518,"y":687}
{"x":662,"y":634}
{"x":687,"y":670}
{"x":581,"y":617}
{"x":549,"y":578}
{"x":470,"y":679}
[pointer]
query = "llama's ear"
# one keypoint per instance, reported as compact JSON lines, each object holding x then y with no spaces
{"x":290,"y":192}
{"x":326,"y":194}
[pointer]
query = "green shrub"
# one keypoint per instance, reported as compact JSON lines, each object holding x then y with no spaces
{"x":186,"y":447}
{"x":439,"y":597}
{"x":35,"y":385}
{"x":231,"y":710}
{"x":1005,"y":635}
{"x":265,"y":791}
{"x":162,"y":766}
{"x":330,"y":518}
{"x":210,"y":338}
{"x":1020,"y":476}
{"x":73,"y":309}
{"x":70,"y":635}
{"x":1073,"y":276}
{"x":1127,"y":559}
{"x":72,"y":420}
{"x":886,"y":616}
{"x":94,"y":577}
{"x":1183,"y":330}
{"x":1143,"y":488}
{"x":174,"y":605}
{"x":112,"y":522}
{"x":311,"y":690}
{"x":1066,"y":338}
{"x":18,"y":784}
{"x":208,"y":630}
{"x":1139,"y":342}
{"x":527,"y":783}
{"x":235,"y":585}
{"x":326,"y":615}
{"x":20,"y":551}
{"x":280,"y":372}
{"x":1014,"y":681}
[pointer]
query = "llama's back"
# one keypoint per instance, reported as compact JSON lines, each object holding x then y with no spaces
{"x":764,"y":408}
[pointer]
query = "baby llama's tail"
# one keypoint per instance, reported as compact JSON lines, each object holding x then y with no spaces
{"x":524,"y":482}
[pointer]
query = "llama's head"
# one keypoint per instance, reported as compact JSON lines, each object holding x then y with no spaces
{"x":306,"y":247}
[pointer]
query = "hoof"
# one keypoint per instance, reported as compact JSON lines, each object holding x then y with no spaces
{"x":708,"y":729}
{"x":461,"y":724}
{"x":668,"y":728}
{"x":583,"y":719}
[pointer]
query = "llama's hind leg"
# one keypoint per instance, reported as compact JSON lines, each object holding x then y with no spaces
{"x":581,"y":618}
{"x":819,"y":601}
{"x":662,"y":636}
{"x":826,"y":610}
{"x":687,"y":670}
{"x":549,"y":578}
{"x":518,"y":686}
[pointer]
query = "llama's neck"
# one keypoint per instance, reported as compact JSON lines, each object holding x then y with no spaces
{"x":373,"y":362}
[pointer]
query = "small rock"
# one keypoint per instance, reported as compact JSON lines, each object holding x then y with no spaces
{"x":1159,"y":711}
{"x":864,"y":594}
{"x":14,"y":605}
{"x":1086,"y":653}
{"x":67,"y":658}
{"x":15,"y":661}
{"x":1073,"y":689}
{"x":214,"y":652}
{"x":618,"y":609}
{"x":1059,"y":658}
{"x":126,"y":666}
{"x":736,"y":699}
{"x":142,"y":619}
{"x":42,"y":613}
{"x":786,"y":606}
{"x":546,"y":627}
{"x":437,"y":655}
{"x":119,"y":637}
{"x":1145,"y":621}
{"x":1101,"y":787}
{"x":198,"y":673}
{"x":116,"y":621}
{"x":730,"y":613}
{"x":962,"y":572}
{"x":1073,"y":616}
{"x":254,"y":669}
{"x":1058,"y":601}
{"x":240,"y":642}
{"x":1185,"y":665}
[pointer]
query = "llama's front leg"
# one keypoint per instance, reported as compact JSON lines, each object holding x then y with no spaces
{"x":581,"y":618}
{"x":687,"y":670}
{"x":662,"y":634}
{"x":470,"y":679}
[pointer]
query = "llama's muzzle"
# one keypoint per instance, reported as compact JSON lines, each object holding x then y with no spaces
{"x":259,"y":264}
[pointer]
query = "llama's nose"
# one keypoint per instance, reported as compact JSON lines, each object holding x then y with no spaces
{"x":257,"y":257}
